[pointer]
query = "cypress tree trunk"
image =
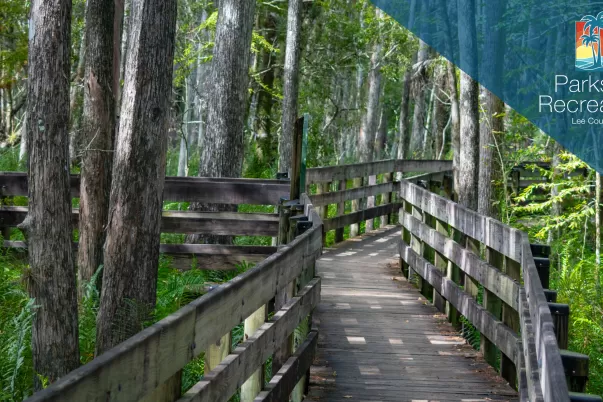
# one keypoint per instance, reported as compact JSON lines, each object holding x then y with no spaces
{"x":290,"y":84}
{"x":419,"y":114}
{"x":469,"y":113}
{"x":54,"y":337}
{"x":222,"y":144}
{"x":97,"y":136}
{"x":403,"y":123}
{"x":132,"y":247}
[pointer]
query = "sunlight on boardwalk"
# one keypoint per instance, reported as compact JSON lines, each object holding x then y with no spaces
{"x":381,"y":341}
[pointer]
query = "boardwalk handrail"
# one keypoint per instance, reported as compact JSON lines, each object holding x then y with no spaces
{"x":183,"y":189}
{"x":535,"y":350}
{"x":148,"y":365}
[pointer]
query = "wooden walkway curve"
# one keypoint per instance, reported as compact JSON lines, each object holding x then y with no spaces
{"x":380,"y":340}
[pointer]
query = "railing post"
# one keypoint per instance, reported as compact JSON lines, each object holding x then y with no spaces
{"x":356,"y":205}
{"x":386,"y":198}
{"x":340,"y":211}
{"x":439,"y":261}
{"x":560,"y":313}
{"x":494,"y":305}
{"x":417,"y":245}
{"x":370,"y":203}
{"x":510,"y":318}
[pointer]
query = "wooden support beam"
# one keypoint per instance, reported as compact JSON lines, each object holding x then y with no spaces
{"x":510,"y":317}
{"x":560,"y":313}
{"x":341,"y":186}
{"x":493,"y":304}
{"x":370,"y":203}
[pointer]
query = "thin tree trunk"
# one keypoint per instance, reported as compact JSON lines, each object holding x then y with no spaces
{"x":370,"y":122}
{"x":97,"y":136}
{"x":290,"y":84}
{"x":52,"y":284}
{"x":76,"y":102}
{"x":469,"y":113}
{"x":440,"y":117}
{"x":420,"y":83}
{"x":132,"y":247}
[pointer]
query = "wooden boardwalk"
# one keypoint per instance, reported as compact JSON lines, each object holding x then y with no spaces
{"x":380,"y":340}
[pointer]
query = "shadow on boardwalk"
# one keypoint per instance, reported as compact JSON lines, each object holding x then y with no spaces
{"x":380,"y":340}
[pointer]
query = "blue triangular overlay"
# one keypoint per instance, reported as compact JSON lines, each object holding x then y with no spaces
{"x":542,"y":58}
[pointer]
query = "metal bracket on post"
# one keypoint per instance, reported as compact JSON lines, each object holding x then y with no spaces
{"x":282,"y":176}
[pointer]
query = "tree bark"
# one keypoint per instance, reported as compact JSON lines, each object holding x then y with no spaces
{"x":469,"y":113}
{"x":403,"y":123}
{"x":419,"y":115}
{"x":97,"y":136}
{"x":132,"y":247}
{"x":290,"y":84}
{"x":54,"y":338}
{"x":222,"y":145}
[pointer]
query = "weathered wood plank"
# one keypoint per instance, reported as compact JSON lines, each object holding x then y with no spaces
{"x":498,"y":333}
{"x":342,"y":172}
{"x":159,"y":351}
{"x":426,"y":166}
{"x":490,"y":232}
{"x":222,"y":382}
{"x":490,"y":277}
{"x":219,"y":223}
{"x":208,"y":256}
{"x":183,"y":189}
{"x":355,"y":217}
{"x":337,"y":197}
{"x":282,"y":383}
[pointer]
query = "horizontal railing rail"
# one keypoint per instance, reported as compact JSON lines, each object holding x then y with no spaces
{"x":356,"y":185}
{"x":148,"y":366}
{"x":206,"y":190}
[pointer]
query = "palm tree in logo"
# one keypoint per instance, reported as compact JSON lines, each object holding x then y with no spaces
{"x":593,"y":26}
{"x":590,"y":40}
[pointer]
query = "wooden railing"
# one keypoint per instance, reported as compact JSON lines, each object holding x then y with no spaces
{"x":186,"y":189}
{"x":358,"y":183}
{"x":148,"y":366}
{"x":441,"y":249}
{"x":441,"y":244}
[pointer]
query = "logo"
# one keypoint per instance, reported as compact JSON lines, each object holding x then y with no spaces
{"x":589,"y":31}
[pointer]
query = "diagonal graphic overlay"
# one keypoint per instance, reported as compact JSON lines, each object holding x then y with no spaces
{"x":542,"y":58}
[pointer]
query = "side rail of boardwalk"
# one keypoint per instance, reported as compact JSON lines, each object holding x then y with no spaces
{"x":149,"y":365}
{"x":440,"y":250}
{"x":232,"y":191}
{"x":361,"y":192}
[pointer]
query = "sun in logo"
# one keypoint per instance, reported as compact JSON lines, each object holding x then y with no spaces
{"x":588,"y":43}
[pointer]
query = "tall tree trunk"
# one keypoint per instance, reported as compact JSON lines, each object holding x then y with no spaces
{"x":403,"y":123}
{"x":492,"y":123}
{"x":469,"y":113}
{"x":97,"y":136}
{"x":54,"y":338}
{"x":222,"y":146}
{"x":455,"y":122}
{"x":370,"y":122}
{"x":440,"y":117}
{"x":490,"y":170}
{"x":290,"y":84}
{"x":132,"y":247}
{"x":420,"y":83}
{"x":75,"y":102}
